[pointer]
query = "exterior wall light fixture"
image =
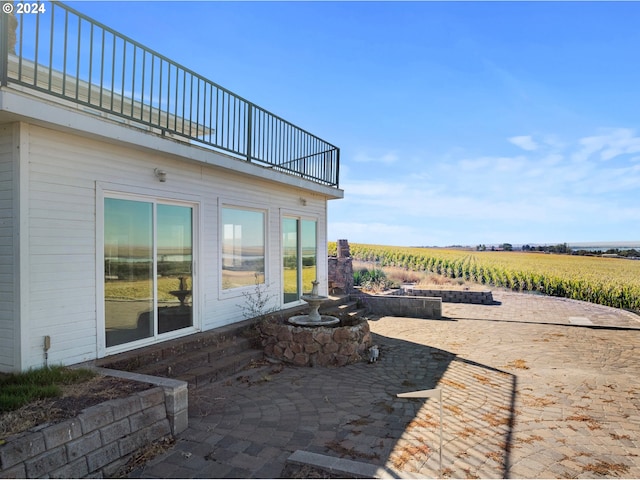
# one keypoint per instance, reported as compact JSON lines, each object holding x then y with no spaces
{"x":161,"y":174}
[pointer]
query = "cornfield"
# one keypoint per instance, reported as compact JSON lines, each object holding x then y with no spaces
{"x":606,"y":281}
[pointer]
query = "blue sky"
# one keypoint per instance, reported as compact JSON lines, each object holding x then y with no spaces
{"x":458,"y":122}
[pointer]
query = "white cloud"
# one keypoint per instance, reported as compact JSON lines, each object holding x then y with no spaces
{"x":525,"y":142}
{"x":612,"y":144}
{"x":540,"y":195}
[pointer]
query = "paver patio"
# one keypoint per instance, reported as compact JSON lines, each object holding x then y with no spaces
{"x":533,"y":387}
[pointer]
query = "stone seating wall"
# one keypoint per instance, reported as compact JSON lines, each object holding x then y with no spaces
{"x":479,"y":297}
{"x":400,"y":305}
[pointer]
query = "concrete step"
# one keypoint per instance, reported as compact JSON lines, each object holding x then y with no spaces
{"x":221,"y":369}
{"x":205,"y":356}
{"x":199,"y":358}
{"x":347,"y":308}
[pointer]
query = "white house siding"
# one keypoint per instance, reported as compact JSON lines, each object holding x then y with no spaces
{"x":8,"y":327}
{"x":67,"y":175}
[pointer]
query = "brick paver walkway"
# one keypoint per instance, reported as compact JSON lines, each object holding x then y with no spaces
{"x":533,"y":387}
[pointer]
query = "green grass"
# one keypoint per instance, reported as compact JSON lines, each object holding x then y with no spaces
{"x":142,"y":289}
{"x":291,"y":279}
{"x":18,"y":389}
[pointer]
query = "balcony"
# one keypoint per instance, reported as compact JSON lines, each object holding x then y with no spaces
{"x":68,"y":55}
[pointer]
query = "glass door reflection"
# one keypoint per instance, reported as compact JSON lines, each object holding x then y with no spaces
{"x":291,"y":285}
{"x":148,"y":269}
{"x":128,"y":265}
{"x":175,"y":262}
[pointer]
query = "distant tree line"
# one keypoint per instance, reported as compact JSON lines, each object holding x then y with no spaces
{"x":563,"y":248}
{"x":630,"y":253}
{"x":507,"y":247}
{"x":559,"y":248}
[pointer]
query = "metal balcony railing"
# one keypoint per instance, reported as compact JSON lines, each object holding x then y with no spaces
{"x":69,"y":55}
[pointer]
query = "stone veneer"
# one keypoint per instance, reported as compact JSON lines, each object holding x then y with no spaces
{"x":316,"y":346}
{"x":100,"y":440}
{"x":340,"y":273}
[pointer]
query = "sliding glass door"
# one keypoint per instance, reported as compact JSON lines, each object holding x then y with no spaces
{"x":291,"y":285}
{"x":148,"y":269}
{"x":299,"y":257}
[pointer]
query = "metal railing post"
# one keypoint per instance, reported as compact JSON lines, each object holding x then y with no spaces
{"x":249,"y":130}
{"x":4,"y":49}
{"x":337,"y":179}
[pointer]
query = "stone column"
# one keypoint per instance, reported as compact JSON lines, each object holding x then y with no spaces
{"x":343,"y":249}
{"x":341,"y":269}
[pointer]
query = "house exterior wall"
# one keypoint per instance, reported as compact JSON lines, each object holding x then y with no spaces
{"x":66,"y":177}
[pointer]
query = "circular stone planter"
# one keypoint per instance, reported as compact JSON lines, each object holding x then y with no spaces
{"x":316,"y":346}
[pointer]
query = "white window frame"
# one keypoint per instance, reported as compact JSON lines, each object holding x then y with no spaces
{"x":300,"y":216}
{"x":224,"y":294}
{"x":103,"y":191}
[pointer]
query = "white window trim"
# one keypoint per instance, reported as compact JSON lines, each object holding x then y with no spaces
{"x":225,"y":294}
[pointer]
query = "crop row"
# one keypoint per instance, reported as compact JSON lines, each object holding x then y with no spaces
{"x":605,"y":281}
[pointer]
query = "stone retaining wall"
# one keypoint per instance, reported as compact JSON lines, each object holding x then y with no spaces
{"x":401,"y":305}
{"x":316,"y":346}
{"x":98,"y":441}
{"x":480,"y":297}
{"x":91,"y":443}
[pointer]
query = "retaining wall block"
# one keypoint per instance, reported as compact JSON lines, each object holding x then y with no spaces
{"x":75,"y":469}
{"x":93,"y":418}
{"x":125,"y":407}
{"x":147,"y":417}
{"x":103,"y":456}
{"x":115,"y":431}
{"x":17,"y":471}
{"x":177,"y":399}
{"x":113,"y":469}
{"x":20,"y":448}
{"x":83,"y":445}
{"x":45,"y":462}
{"x":151,"y":398}
{"x":142,"y":437}
{"x":61,"y":433}
{"x":178,"y":421}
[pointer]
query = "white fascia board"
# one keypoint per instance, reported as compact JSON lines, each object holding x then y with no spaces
{"x":37,"y":109}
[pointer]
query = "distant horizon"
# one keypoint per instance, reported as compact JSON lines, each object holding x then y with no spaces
{"x":602,"y":244}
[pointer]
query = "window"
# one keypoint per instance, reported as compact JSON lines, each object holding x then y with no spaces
{"x":243,"y":247}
